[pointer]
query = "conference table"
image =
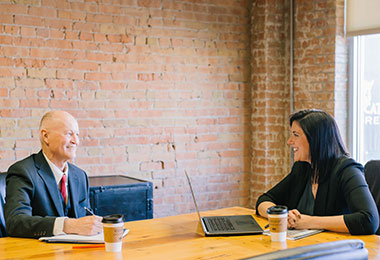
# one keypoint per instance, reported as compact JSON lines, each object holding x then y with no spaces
{"x":175,"y":237}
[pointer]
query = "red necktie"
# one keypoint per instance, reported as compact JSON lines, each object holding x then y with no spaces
{"x":63,"y":187}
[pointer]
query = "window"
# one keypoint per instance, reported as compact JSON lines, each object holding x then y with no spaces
{"x":365,"y":98}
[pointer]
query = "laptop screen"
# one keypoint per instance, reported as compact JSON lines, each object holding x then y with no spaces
{"x":192,"y":193}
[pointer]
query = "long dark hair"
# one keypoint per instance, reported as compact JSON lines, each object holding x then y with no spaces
{"x":325,"y":142}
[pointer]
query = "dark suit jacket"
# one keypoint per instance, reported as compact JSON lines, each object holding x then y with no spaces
{"x":33,"y":200}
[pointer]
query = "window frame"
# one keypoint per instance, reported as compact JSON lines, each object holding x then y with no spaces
{"x":355,"y":119}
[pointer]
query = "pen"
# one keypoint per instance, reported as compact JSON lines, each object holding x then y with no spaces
{"x":266,"y":226}
{"x":89,"y":211}
{"x":88,"y":246}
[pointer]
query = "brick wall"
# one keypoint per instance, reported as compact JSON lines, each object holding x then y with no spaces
{"x":341,"y":73}
{"x":320,"y":77}
{"x":321,"y":58}
{"x":270,"y":94}
{"x":157,"y":87}
{"x":162,"y":86}
{"x":314,"y":54}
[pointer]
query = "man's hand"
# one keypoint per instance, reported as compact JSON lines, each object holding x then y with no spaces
{"x":90,"y":225}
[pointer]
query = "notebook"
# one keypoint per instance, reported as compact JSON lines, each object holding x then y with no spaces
{"x":78,"y":239}
{"x":226,"y":225}
{"x":295,"y":234}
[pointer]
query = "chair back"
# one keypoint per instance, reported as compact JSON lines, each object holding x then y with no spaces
{"x":352,"y":249}
{"x":372,"y":176}
{"x":3,"y":232}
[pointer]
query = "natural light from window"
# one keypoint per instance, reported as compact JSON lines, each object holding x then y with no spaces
{"x":366,"y":98}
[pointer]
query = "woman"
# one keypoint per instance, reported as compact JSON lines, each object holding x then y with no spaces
{"x":325,"y":189}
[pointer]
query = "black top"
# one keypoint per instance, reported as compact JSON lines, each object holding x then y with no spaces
{"x":343,"y":192}
{"x":372,"y":176}
{"x":306,"y":203}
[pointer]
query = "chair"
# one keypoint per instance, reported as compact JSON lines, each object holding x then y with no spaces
{"x":372,"y":176}
{"x":344,"y":249}
{"x":3,"y":232}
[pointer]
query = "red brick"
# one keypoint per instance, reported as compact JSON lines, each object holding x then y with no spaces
{"x":71,"y":15}
{"x":41,"y":53}
{"x":97,"y":76}
{"x":87,"y":160}
{"x":28,"y":103}
{"x":149,"y":3}
{"x":3,"y":92}
{"x":110,"y":67}
{"x":89,"y":142}
{"x":62,"y":64}
{"x":100,"y":37}
{"x":41,"y":11}
{"x":149,"y":166}
{"x":28,"y":20}
{"x":70,"y":74}
{"x":112,"y":86}
{"x":99,"y":57}
{"x":83,"y":36}
{"x":87,"y":66}
{"x":64,"y":104}
{"x":14,"y":113}
{"x":70,"y":35}
{"x":14,"y":30}
{"x":85,"y":86}
{"x":13,"y":51}
{"x":42,"y":32}
{"x":14,"y":8}
{"x":71,"y":54}
{"x":82,"y":45}
{"x":135,"y":76}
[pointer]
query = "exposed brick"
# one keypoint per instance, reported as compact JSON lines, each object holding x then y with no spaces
{"x":58,"y":64}
{"x":64,"y":104}
{"x":14,"y":8}
{"x":14,"y":30}
{"x":70,"y":74}
{"x":41,"y":11}
{"x":162,"y":86}
{"x":87,"y":66}
{"x":82,"y":45}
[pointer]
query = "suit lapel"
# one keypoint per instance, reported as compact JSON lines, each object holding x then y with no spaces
{"x":73,"y":180}
{"x":44,"y":171}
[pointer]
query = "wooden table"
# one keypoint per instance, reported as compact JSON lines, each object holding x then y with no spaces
{"x":176,"y":237}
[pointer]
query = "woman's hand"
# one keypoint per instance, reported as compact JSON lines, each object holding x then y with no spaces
{"x":296,"y":220}
{"x":294,"y":216}
{"x":263,"y":208}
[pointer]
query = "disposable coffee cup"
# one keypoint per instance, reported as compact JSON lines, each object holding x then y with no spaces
{"x":113,"y":226}
{"x":278,"y":222}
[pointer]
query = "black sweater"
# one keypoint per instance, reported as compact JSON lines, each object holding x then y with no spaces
{"x":343,"y":191}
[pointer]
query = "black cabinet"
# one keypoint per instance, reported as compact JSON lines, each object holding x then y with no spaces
{"x":121,"y":194}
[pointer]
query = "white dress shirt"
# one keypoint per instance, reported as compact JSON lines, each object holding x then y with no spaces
{"x":59,"y":221}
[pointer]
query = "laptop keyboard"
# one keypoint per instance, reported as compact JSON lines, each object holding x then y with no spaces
{"x":220,"y":224}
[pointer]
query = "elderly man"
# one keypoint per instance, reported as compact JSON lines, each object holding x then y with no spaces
{"x":46,"y":194}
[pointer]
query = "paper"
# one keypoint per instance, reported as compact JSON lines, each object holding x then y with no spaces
{"x":294,"y":234}
{"x":95,"y":239}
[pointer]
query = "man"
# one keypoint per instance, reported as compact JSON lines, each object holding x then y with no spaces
{"x":45,"y":194}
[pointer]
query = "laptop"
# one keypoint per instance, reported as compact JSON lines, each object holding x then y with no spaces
{"x":226,"y":225}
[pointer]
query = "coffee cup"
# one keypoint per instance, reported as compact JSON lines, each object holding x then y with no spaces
{"x":278,"y":222}
{"x":113,"y":226}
